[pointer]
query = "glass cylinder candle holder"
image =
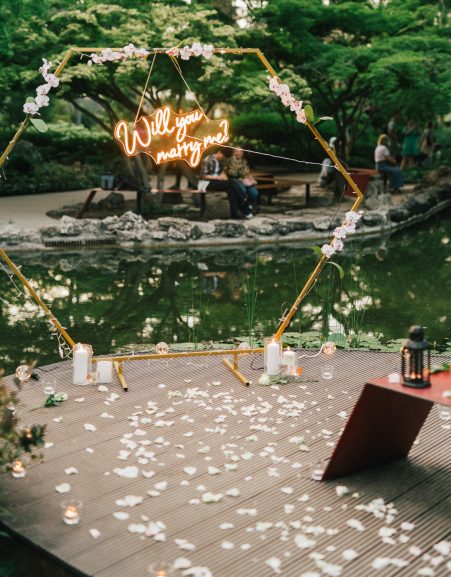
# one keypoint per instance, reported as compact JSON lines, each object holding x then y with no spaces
{"x":48,"y":386}
{"x":18,"y":469}
{"x":273,"y":351}
{"x":318,"y":468}
{"x":327,"y":371}
{"x":71,"y":512}
{"x":105,"y":371}
{"x":288,"y":362}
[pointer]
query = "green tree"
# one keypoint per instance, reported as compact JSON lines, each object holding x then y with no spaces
{"x":363,"y":60}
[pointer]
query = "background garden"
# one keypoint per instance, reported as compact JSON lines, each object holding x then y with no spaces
{"x":360,"y":62}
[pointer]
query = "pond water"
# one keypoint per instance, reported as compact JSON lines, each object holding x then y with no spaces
{"x":117,"y":298}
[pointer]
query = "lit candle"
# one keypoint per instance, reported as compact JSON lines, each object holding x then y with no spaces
{"x":81,"y":364}
{"x":18,"y":469}
{"x":272,"y":358}
{"x":105,"y":371}
{"x":71,"y":515}
{"x":289,"y":360}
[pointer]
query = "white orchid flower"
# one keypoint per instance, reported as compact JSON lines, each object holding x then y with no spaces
{"x":129,"y":50}
{"x":338,"y":244}
{"x":30,"y":108}
{"x":185,"y":53}
{"x":327,"y":250}
{"x":339,"y":232}
{"x":207,"y":51}
{"x":52,"y":80}
{"x":46,"y":65}
{"x":42,"y":100}
{"x":300,"y":117}
{"x":43,"y":89}
{"x":196,"y":49}
{"x":296,"y":106}
{"x":273,"y":83}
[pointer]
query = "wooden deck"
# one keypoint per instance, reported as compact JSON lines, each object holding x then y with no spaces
{"x":195,"y":415}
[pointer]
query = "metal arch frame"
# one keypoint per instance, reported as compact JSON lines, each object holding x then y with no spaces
{"x":118,"y":360}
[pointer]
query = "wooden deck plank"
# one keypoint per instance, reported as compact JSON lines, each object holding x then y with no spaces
{"x":33,"y":509}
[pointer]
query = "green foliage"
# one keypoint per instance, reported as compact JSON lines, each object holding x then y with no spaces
{"x":14,"y":441}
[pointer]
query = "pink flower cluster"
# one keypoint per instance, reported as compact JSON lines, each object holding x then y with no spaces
{"x":197,"y":49}
{"x":287,"y":99}
{"x":108,"y":55}
{"x":340,"y":233}
{"x":51,"y":81}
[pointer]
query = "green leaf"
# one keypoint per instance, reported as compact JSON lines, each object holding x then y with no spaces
{"x":39,"y":124}
{"x":30,"y":99}
{"x":309,"y":113}
{"x":323,"y":119}
{"x":338,"y":338}
{"x":51,"y":401}
{"x":439,"y":368}
{"x":317,"y":250}
{"x":338,"y":267}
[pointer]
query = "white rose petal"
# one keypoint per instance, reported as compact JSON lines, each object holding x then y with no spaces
{"x":89,"y":427}
{"x":227,"y":545}
{"x":63,"y":488}
{"x":71,"y":471}
{"x":349,"y":554}
{"x":274,"y":563}
{"x":341,"y":490}
{"x":121,"y":515}
{"x":355,"y":524}
{"x":181,"y":563}
{"x":95,"y":533}
{"x":127,"y":472}
{"x":304,"y":542}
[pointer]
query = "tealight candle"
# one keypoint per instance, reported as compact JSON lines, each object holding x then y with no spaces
{"x":18,"y":469}
{"x":81,"y":364}
{"x":289,"y":361}
{"x":105,"y":371}
{"x":71,"y":512}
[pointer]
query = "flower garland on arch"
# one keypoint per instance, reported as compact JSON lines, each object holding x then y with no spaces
{"x":340,"y":233}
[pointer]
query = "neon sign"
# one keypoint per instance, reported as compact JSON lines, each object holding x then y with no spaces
{"x":167,"y":136}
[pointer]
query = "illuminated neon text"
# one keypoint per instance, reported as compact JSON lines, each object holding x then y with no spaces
{"x":167,"y":136}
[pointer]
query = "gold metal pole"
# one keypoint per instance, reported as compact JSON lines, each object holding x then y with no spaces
{"x":120,"y":376}
{"x":48,"y":313}
{"x":233,"y":368}
{"x":154,"y":356}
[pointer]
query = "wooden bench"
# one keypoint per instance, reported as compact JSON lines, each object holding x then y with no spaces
{"x":268,"y":183}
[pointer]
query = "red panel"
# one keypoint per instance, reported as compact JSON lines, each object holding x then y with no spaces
{"x":382,"y":427}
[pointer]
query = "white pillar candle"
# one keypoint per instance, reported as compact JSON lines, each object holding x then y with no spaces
{"x":272,"y":358}
{"x":81,"y":364}
{"x":289,"y":360}
{"x":105,"y":371}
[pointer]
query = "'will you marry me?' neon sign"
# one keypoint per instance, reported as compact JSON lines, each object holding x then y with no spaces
{"x":166,"y":135}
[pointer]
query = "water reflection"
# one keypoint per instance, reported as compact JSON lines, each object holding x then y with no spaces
{"x":112,"y":298}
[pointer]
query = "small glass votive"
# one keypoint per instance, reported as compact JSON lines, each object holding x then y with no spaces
{"x":48,"y":387}
{"x":159,"y":570}
{"x":23,"y":373}
{"x":92,"y":378}
{"x":18,"y":469}
{"x":444,"y":414}
{"x":71,"y":512}
{"x":318,"y":468}
{"x":327,"y":371}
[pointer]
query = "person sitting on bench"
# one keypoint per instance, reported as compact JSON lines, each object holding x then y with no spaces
{"x":237,"y":167}
{"x":212,"y":170}
{"x":385,"y":163}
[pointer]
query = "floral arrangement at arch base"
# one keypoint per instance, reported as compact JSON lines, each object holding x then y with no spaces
{"x":14,"y":442}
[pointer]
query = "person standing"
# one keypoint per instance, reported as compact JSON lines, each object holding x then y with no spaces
{"x":410,"y":145}
{"x":386,"y":163}
{"x":212,"y":172}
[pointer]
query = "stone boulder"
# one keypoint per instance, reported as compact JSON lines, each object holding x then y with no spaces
{"x":69,"y":226}
{"x":375,"y":218}
{"x":229,"y":228}
{"x":398,"y":213}
{"x":114,"y":201}
{"x":261,"y":226}
{"x":419,"y":203}
{"x":10,"y":234}
{"x":294,"y":224}
{"x":179,"y":228}
{"x":326,"y":223}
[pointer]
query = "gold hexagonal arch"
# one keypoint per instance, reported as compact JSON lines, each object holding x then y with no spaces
{"x":118,"y":360}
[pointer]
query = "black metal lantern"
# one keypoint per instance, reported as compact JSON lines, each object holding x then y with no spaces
{"x":416,"y":360}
